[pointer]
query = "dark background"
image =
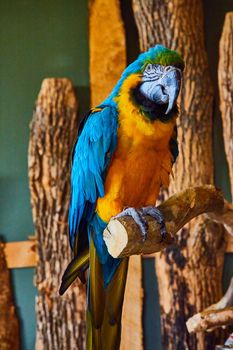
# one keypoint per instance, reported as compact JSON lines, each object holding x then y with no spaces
{"x":49,"y":38}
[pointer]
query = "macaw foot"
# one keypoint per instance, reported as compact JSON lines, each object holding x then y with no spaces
{"x":158,"y":216}
{"x":137,"y":216}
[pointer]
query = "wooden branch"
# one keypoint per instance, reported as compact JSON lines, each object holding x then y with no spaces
{"x":9,"y":324}
{"x":216,"y":315}
{"x":224,"y":217}
{"x":123,"y":238}
{"x":210,"y":319}
{"x":225,"y":77}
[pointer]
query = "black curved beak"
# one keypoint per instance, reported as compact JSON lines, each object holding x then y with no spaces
{"x":172,"y":82}
{"x":164,"y":90}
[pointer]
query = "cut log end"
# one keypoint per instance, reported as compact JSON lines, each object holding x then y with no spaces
{"x":115,"y":237}
{"x":192,"y":323}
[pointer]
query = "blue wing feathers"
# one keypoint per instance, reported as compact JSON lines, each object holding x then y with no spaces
{"x":91,"y":156}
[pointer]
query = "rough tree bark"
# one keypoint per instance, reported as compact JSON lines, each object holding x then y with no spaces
{"x":107,"y":61}
{"x":9,"y":324}
{"x":189,"y":277}
{"x":60,"y":320}
{"x":221,"y":313}
{"x":225,"y":76}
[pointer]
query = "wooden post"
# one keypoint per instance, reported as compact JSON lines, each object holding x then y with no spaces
{"x":221,"y":313}
{"x":60,"y":320}
{"x":9,"y":324}
{"x":107,"y":48}
{"x":107,"y":62}
{"x":190,"y":275}
{"x":225,"y":76}
{"x":25,"y":256}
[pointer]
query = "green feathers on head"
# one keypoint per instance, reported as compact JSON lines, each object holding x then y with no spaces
{"x":158,"y":54}
{"x":165,"y":57}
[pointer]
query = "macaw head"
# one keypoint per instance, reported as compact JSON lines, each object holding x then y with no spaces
{"x":153,"y":82}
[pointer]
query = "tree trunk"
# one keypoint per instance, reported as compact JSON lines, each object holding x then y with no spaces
{"x":225,"y":76}
{"x":60,"y":320}
{"x":189,"y":276}
{"x":107,"y":47}
{"x":107,"y":62}
{"x":9,"y":324}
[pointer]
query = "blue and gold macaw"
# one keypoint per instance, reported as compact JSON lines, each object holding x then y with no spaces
{"x":124,"y":153}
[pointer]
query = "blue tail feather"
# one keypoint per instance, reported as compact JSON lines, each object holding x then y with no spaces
{"x":109,"y":264}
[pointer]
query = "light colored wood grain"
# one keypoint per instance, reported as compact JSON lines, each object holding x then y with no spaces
{"x":229,"y":247}
{"x":131,"y":337}
{"x":20,"y":254}
{"x":107,"y":48}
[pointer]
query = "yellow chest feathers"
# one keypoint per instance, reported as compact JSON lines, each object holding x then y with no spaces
{"x":143,"y":145}
{"x":141,"y":162}
{"x":134,"y":128}
{"x":142,"y":159}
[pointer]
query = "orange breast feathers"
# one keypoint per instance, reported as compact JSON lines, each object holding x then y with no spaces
{"x":142,"y":160}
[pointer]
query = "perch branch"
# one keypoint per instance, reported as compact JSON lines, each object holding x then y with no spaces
{"x":216,"y":315}
{"x":224,"y":217}
{"x":122,"y":235}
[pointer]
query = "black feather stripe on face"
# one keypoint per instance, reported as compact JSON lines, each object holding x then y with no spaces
{"x":151,"y":109}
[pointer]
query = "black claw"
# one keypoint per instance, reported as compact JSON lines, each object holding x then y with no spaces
{"x":158,"y":216}
{"x":137,"y":216}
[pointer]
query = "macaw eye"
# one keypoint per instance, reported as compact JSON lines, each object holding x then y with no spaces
{"x":167,"y":68}
{"x":149,"y":67}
